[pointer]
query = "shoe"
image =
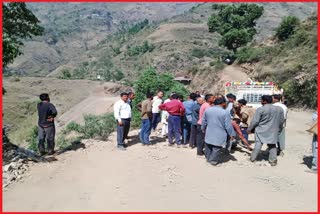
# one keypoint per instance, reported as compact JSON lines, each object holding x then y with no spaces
{"x":214,"y":163}
{"x":122,"y":148}
{"x":42,"y":153}
{"x":312,"y":171}
{"x":170,"y":144}
{"x":51,"y":153}
{"x":273,"y":163}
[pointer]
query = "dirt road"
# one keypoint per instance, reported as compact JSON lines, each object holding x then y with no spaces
{"x":162,"y":178}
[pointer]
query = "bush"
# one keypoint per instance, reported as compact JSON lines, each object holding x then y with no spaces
{"x":287,"y":27}
{"x":250,"y":54}
{"x":140,"y":49}
{"x":32,"y":139}
{"x":66,"y":74}
{"x":73,"y":126}
{"x":199,"y":53}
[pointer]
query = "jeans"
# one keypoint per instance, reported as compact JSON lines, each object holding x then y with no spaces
{"x":155,"y":120}
{"x":46,"y":134}
{"x":174,"y":129}
{"x":315,"y":152}
{"x":145,"y":131}
{"x":186,"y":131}
{"x":244,"y":132}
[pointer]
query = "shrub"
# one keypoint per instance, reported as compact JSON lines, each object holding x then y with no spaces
{"x":66,"y":74}
{"x":32,"y":139}
{"x":140,"y":49}
{"x":249,"y":54}
{"x":199,"y":53}
{"x":287,"y":27}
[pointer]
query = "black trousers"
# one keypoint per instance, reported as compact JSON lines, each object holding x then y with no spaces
{"x":122,"y":131}
{"x":200,"y":140}
{"x":46,"y":134}
{"x":193,"y":136}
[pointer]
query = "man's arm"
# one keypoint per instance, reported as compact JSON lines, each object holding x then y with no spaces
{"x":182,"y":109}
{"x":255,"y":120}
{"x":53,"y":110}
{"x":139,"y":106}
{"x":116,"y":111}
{"x":163,"y":106}
{"x":228,"y":125}
{"x":204,"y":122}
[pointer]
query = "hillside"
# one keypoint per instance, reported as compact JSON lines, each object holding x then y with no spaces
{"x":71,"y":29}
{"x":77,"y":38}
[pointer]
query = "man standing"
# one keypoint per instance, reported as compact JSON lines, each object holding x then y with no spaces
{"x":231,"y":99}
{"x":267,"y":123}
{"x":122,"y":114}
{"x":216,"y":125}
{"x":146,"y":116}
{"x":209,"y":98}
{"x":157,"y":101}
{"x":246,"y":115}
{"x":187,"y":119}
{"x":164,"y":120}
{"x":175,"y":110}
{"x":131,"y":96}
{"x":195,"y":117}
{"x":46,"y":129}
{"x":282,"y":135}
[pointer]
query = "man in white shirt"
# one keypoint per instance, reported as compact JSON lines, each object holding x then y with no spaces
{"x":281,"y":139}
{"x":156,"y":102}
{"x":122,"y":114}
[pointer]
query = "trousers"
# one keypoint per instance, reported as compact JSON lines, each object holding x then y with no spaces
{"x":122,"y":131}
{"x":46,"y":134}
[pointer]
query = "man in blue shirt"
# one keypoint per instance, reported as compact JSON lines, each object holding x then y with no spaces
{"x":187,"y":118}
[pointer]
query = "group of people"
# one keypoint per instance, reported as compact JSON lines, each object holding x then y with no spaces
{"x":211,"y":123}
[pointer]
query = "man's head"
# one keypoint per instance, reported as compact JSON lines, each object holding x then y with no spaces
{"x":231,"y":97}
{"x":266,"y":99}
{"x":149,"y":95}
{"x":180,"y":97}
{"x":276,"y":98}
{"x":193,"y":96}
{"x":242,"y":102}
{"x":209,"y":98}
{"x":124,"y":96}
{"x":174,"y":96}
{"x":44,"y":97}
{"x":160,"y":94}
{"x":221,"y":101}
{"x":131,"y":95}
{"x":200,"y":100}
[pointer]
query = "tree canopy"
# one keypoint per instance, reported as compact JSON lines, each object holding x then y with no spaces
{"x":18,"y":23}
{"x":236,"y":24}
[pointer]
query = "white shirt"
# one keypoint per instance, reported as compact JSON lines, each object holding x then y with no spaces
{"x":121,"y":110}
{"x":284,"y":107}
{"x":155,"y":104}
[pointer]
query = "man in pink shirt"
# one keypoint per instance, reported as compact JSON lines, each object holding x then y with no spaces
{"x":175,"y":109}
{"x":200,"y":135}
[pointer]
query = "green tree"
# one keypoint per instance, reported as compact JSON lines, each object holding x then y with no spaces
{"x":151,"y":81}
{"x":236,"y":24}
{"x":18,"y":23}
{"x":287,"y":27}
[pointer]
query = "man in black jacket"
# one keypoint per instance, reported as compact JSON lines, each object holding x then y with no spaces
{"x":46,"y":131}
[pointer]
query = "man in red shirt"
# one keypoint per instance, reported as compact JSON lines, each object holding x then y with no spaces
{"x":175,"y":109}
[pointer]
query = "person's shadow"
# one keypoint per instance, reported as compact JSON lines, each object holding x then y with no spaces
{"x":135,"y":139}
